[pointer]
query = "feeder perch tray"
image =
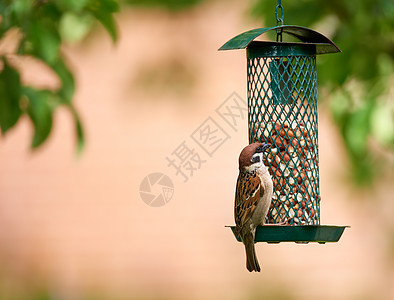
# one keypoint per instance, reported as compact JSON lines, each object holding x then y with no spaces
{"x":299,"y":234}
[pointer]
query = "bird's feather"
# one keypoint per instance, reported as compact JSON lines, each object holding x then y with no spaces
{"x":248,"y":193}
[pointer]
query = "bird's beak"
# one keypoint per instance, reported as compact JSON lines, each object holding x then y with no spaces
{"x":266,"y":146}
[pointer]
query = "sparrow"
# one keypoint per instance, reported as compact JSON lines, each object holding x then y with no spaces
{"x":253,"y":197}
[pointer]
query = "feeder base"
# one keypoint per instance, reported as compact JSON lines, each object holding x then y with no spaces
{"x":299,"y":234}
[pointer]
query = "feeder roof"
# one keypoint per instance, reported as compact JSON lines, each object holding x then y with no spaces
{"x":305,"y":35}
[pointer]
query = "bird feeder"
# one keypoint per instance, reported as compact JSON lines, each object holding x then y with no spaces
{"x":282,"y":111}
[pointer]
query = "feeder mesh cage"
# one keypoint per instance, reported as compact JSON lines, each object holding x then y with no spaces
{"x":282,"y":103}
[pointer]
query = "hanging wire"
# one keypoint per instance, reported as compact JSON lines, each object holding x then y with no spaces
{"x":279,"y":21}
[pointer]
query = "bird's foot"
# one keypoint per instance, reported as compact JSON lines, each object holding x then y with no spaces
{"x":285,"y":222}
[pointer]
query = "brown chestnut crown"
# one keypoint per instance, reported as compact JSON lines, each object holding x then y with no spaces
{"x":247,"y":156}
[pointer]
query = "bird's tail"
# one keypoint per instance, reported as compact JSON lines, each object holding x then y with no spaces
{"x":252,"y":264}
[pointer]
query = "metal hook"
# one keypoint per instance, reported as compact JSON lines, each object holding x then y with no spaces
{"x":279,"y":21}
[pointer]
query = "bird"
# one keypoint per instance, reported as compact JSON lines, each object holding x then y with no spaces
{"x":253,"y":198}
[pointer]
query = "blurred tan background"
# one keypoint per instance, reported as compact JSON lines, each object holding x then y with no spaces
{"x":76,"y":227}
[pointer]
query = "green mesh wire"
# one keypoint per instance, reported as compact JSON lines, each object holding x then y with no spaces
{"x":282,"y":102}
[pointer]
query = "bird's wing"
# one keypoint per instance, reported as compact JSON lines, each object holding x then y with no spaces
{"x":247,"y":196}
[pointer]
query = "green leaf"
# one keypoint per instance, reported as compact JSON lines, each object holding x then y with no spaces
{"x":9,"y":97}
{"x":67,"y":89}
{"x":71,"y":5}
{"x":73,"y":27}
{"x":80,"y":136}
{"x":78,"y":131}
{"x":103,"y":11}
{"x":21,"y":8}
{"x":5,"y":23}
{"x":42,"y":41}
{"x":382,"y":123}
{"x":108,"y":22}
{"x":110,"y":6}
{"x":40,"y":112}
{"x":339,"y":106}
{"x":47,"y":41}
{"x":170,"y":5}
{"x":358,"y":126}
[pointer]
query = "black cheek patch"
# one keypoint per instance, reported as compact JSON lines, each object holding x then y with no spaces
{"x":255,"y":159}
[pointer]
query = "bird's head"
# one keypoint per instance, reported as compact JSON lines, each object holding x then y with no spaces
{"x":251,"y":157}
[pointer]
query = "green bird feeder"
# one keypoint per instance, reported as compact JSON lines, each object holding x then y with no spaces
{"x":282,"y":111}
